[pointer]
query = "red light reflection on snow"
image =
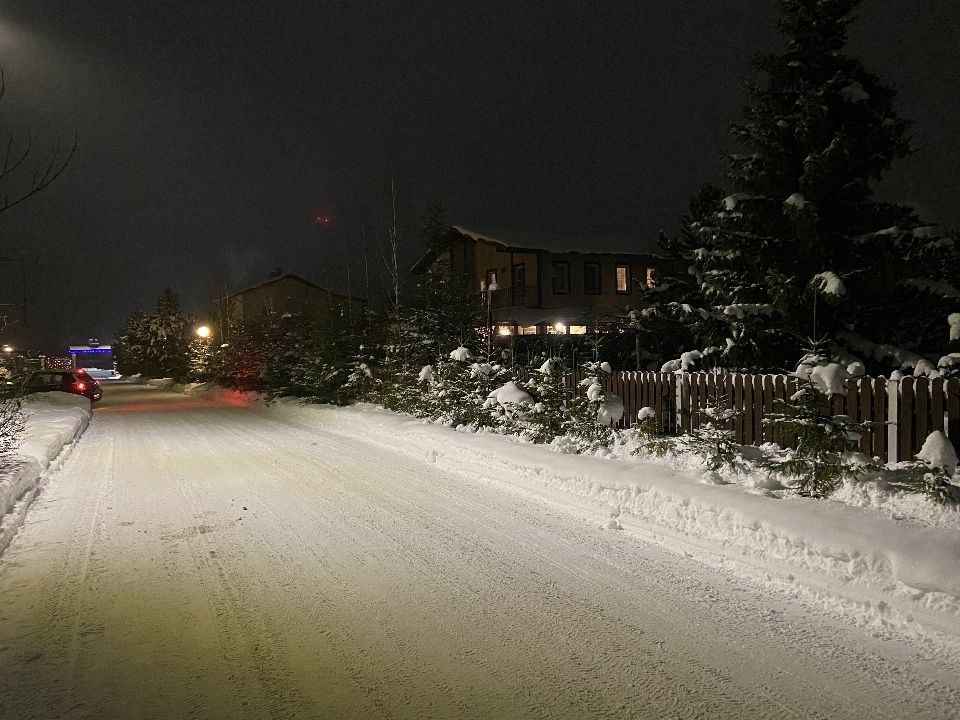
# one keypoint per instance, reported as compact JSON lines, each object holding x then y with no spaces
{"x":179,"y":406}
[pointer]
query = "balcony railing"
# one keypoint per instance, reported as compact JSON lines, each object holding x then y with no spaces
{"x":516,"y":296}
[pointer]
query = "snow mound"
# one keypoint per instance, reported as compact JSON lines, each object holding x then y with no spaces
{"x":938,"y":451}
{"x":461,"y":354}
{"x":510,"y":394}
{"x":829,"y":283}
{"x":610,"y":410}
{"x":828,"y":377}
{"x":954,"y":321}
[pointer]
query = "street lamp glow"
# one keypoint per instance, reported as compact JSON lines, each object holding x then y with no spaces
{"x":203,"y":331}
{"x":7,"y":348}
{"x":558,"y":327}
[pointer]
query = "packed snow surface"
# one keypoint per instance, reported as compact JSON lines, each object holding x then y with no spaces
{"x":53,"y":421}
{"x":209,"y":557}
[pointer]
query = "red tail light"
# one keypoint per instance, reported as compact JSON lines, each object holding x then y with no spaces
{"x":81,"y":386}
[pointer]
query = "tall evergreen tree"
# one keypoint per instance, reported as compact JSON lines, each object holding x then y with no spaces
{"x":156,"y":345}
{"x":131,"y":343}
{"x":169,"y":351}
{"x":803,"y":248}
{"x":447,"y":314}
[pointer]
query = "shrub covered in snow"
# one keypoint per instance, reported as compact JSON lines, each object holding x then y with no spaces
{"x":931,"y":472}
{"x":712,"y":440}
{"x":817,"y":465}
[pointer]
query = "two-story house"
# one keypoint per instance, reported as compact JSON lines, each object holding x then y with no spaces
{"x":265,"y":302}
{"x":540,"y":283}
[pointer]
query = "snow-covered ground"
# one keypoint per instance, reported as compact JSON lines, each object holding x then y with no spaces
{"x":215,"y":558}
{"x":895,"y":564}
{"x":54,"y":421}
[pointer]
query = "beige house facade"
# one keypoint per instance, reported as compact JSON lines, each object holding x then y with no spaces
{"x":538,"y":283}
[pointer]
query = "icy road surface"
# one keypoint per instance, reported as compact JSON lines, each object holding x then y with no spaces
{"x":192,"y":559}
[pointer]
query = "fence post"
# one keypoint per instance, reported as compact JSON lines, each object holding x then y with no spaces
{"x":893,"y":420}
{"x":678,"y":404}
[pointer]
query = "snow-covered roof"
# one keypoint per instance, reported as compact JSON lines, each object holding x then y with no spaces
{"x":561,"y":243}
{"x":291,"y":276}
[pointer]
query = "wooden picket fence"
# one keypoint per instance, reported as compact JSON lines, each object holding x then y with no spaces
{"x":903,"y":412}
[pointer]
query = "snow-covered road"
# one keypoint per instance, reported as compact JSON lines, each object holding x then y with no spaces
{"x":194,"y":559}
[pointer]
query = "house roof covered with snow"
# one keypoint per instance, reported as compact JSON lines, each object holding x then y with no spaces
{"x":513,"y":241}
{"x":295,"y":278}
{"x":561,"y":243}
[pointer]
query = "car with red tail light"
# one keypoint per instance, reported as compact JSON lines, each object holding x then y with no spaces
{"x":77,"y":382}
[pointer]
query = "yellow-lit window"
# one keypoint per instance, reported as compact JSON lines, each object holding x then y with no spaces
{"x":623,"y":279}
{"x":651,"y":277}
{"x":578,"y":329}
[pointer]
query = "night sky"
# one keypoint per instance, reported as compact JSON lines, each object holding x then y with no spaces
{"x":212,"y":134}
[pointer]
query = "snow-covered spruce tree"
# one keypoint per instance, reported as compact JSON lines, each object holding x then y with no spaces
{"x":309,"y":359}
{"x":592,"y":417}
{"x":158,"y":345}
{"x":446,"y":313}
{"x":12,"y":417}
{"x":932,"y":470}
{"x":131,"y":343}
{"x":244,"y":361}
{"x":817,"y":465}
{"x":803,"y":227}
{"x":458,"y":388}
{"x":548,"y":417}
{"x":674,"y":320}
{"x":647,"y":435}
{"x":713,"y":441}
{"x":202,"y":361}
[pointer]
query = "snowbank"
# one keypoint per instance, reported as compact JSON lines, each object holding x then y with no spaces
{"x":54,"y":420}
{"x":855,"y":551}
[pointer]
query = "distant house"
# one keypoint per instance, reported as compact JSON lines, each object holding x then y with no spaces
{"x":91,"y":355}
{"x":289,"y":294}
{"x":540,"y":283}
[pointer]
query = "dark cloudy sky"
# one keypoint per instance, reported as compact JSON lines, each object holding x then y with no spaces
{"x":212,"y":133}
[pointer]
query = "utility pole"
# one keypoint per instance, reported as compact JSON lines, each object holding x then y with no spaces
{"x":23,"y":294}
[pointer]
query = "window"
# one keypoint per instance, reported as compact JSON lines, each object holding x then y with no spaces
{"x":623,"y":279}
{"x":591,"y":278}
{"x":561,"y":278}
{"x":491,"y":277}
{"x":651,"y":277}
{"x":519,"y":280}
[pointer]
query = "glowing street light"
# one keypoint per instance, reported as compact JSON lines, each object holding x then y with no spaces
{"x":7,"y":349}
{"x":203,"y":331}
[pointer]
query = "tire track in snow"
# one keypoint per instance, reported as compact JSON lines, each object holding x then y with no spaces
{"x":412,"y":591}
{"x":843,"y":670}
{"x":711,"y":691}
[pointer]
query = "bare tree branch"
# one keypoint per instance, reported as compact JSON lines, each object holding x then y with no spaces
{"x":14,"y":161}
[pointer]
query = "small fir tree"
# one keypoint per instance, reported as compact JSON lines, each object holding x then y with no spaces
{"x":547,"y":386}
{"x":713,"y":440}
{"x":647,"y":434}
{"x":822,"y":437}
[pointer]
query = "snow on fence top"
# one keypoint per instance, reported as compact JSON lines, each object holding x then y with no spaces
{"x":904,"y":412}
